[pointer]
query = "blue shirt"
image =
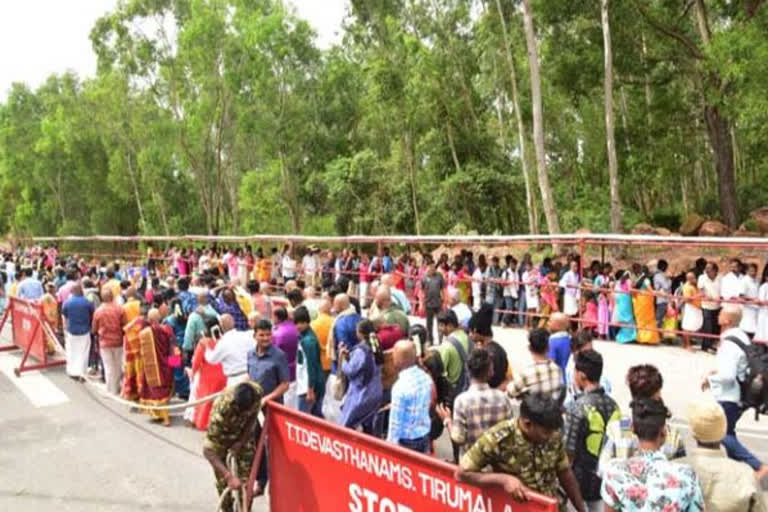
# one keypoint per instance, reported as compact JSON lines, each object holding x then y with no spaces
{"x":30,"y":289}
{"x":79,"y":312}
{"x":560,"y":349}
{"x":269,"y":369}
{"x":241,"y":322}
{"x":345,"y":331}
{"x":409,"y":412}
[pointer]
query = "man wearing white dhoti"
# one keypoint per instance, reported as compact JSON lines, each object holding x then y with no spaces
{"x":78,"y":313}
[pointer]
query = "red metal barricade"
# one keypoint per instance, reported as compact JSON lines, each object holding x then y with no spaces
{"x":317,"y":466}
{"x":28,"y":335}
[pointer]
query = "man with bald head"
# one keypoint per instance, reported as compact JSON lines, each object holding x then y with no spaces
{"x":462,"y":310}
{"x":398,"y":296}
{"x":559,"y":340}
{"x":108,"y":322}
{"x":409,"y":421}
{"x":231,"y":351}
{"x":725,"y":383}
{"x":387,"y":314}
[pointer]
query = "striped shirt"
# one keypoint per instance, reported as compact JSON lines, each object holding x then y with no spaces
{"x":477,"y":410}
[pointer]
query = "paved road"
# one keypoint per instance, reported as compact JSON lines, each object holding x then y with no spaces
{"x":62,"y":446}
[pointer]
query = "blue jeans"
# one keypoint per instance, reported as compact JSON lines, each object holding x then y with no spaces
{"x":420,"y":445}
{"x":497,"y":301}
{"x":521,"y":307}
{"x":315,"y":408}
{"x":733,"y":446}
{"x":661,"y":312}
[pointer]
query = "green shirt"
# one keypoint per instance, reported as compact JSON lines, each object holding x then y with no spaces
{"x":450,"y":356}
{"x":308,"y":359}
{"x":506,"y":450}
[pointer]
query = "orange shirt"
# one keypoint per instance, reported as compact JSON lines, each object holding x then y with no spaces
{"x":322,"y":327}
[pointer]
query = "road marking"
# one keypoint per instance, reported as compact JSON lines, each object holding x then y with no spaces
{"x":35,"y":386}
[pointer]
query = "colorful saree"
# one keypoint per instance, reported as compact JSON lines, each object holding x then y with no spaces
{"x":645,"y":313}
{"x":624,"y":314}
{"x":133,"y":367}
{"x":157,"y":377}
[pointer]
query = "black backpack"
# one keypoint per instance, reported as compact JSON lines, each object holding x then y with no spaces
{"x":754,"y":387}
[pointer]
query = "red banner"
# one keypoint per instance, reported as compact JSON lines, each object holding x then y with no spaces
{"x":25,"y":318}
{"x":318,"y":466}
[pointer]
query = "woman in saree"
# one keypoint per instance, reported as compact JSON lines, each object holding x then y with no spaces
{"x":645,"y":309}
{"x":208,"y":378}
{"x":548,"y":294}
{"x":157,"y":376}
{"x":623,"y":312}
{"x":602,"y":288}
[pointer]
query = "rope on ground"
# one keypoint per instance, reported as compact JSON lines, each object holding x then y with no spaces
{"x":173,"y":407}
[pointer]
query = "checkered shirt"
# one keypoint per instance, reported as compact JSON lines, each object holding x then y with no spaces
{"x":477,"y":410}
{"x":409,"y":411}
{"x":540,"y":377}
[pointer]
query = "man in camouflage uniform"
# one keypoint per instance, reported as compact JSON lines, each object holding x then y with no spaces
{"x":231,"y":429}
{"x":524,"y":455}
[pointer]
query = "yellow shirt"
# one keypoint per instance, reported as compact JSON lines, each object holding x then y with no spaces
{"x":322,"y":327}
{"x":13,"y":291}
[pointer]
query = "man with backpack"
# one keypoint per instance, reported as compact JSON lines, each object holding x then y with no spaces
{"x":585,"y":426}
{"x":454,"y":351}
{"x":734,"y":369}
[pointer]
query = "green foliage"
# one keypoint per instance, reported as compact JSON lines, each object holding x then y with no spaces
{"x":223,"y":116}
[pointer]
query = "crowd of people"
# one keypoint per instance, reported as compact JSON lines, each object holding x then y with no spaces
{"x":335,"y":337}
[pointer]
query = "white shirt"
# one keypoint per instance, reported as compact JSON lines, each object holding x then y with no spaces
{"x":203,"y":262}
{"x":477,"y":282}
{"x":232,"y":352}
{"x":302,"y":372}
{"x":510,"y":289}
{"x":731,"y":364}
{"x":309,"y":262}
{"x":731,"y":287}
{"x":569,"y":283}
{"x":463,"y":314}
{"x":711,"y":289}
{"x":749,"y":313}
{"x":762,"y":317}
{"x":289,"y":266}
{"x":531,"y":289}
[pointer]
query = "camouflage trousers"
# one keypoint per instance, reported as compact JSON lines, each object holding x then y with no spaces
{"x":244,"y":463}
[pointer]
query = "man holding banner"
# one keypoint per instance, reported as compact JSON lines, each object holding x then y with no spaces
{"x":526,"y":454}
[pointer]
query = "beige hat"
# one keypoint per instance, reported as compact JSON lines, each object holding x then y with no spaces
{"x":707,"y":421}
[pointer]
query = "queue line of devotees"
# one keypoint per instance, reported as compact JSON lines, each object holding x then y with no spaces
{"x":350,"y":353}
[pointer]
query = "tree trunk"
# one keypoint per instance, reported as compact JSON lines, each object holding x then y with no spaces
{"x":139,"y":206}
{"x":290,"y":195}
{"x":449,"y":132}
{"x":610,"y":137}
{"x":719,"y":131}
{"x":408,"y":153}
{"x":538,"y":123}
{"x":533,"y":221}
{"x":718,"y":128}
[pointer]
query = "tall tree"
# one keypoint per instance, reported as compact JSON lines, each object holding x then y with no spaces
{"x":610,"y":137}
{"x":547,"y":199}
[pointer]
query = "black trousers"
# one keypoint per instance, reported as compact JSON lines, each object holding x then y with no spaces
{"x":710,"y":326}
{"x":431,"y":314}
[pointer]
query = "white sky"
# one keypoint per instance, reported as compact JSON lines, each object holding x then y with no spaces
{"x":40,"y":37}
